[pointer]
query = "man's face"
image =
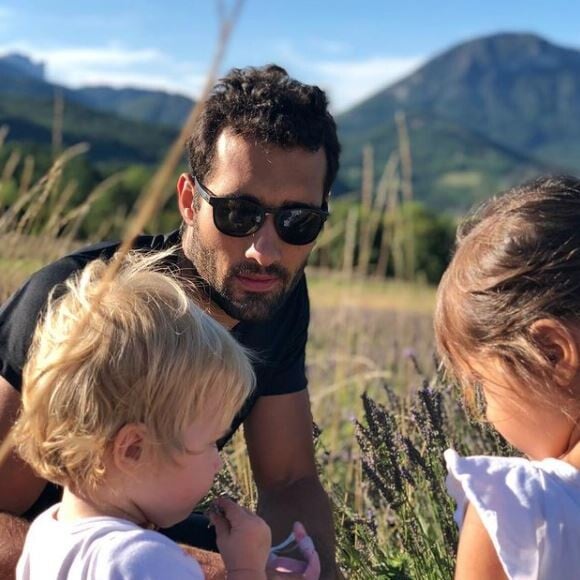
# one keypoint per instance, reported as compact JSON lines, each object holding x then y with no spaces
{"x":250,"y":277}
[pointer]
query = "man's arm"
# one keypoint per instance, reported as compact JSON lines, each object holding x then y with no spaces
{"x":19,"y":488}
{"x":210,"y":562}
{"x":278,"y":433}
{"x":12,"y":533}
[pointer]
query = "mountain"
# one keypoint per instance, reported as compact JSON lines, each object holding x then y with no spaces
{"x":25,"y":65}
{"x":114,"y":141}
{"x":481,"y":116}
{"x":122,"y":126}
{"x":155,"y":107}
{"x":517,"y":94}
{"x":453,"y":166}
{"x":21,"y":77}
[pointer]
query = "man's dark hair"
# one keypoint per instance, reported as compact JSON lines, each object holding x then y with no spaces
{"x":269,"y":107}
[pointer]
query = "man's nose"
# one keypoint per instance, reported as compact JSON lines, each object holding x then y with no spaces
{"x":265,"y":246}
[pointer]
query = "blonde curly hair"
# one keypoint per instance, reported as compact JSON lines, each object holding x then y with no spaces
{"x":138,"y":350}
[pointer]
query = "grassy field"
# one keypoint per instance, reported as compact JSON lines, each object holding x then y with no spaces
{"x":384,"y":414}
{"x":385,"y":417}
{"x":330,"y":289}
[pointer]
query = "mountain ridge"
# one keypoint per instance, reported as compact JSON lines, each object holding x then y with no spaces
{"x":495,"y":84}
{"x":155,"y":107}
{"x":518,"y":90}
{"x":481,"y":115}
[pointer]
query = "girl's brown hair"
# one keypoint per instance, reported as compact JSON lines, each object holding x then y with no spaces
{"x":517,"y":261}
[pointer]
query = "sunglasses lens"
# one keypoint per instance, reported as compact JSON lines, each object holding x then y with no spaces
{"x":299,"y":226}
{"x":237,"y":217}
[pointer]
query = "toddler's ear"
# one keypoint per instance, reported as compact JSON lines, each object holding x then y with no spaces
{"x":129,"y":446}
{"x":561,"y":346}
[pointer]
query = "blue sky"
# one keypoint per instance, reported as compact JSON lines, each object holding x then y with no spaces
{"x":351,"y":48}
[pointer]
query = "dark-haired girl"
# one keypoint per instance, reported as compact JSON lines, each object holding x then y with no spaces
{"x":507,"y":325}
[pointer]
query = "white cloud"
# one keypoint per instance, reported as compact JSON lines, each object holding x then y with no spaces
{"x":191,"y":85}
{"x":116,"y":66}
{"x":109,"y":56}
{"x":349,"y":81}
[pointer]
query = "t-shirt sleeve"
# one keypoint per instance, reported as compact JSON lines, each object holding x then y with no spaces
{"x":20,"y":314}
{"x":144,"y":556}
{"x":18,"y":318}
{"x":289,"y":374}
{"x":502,"y":491}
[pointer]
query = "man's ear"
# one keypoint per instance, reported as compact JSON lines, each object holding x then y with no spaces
{"x":129,"y":447}
{"x":560,"y":345}
{"x":185,"y":195}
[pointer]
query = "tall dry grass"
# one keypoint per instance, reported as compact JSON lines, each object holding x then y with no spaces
{"x":24,"y":212}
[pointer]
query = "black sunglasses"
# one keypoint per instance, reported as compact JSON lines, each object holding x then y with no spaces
{"x":239,"y":217}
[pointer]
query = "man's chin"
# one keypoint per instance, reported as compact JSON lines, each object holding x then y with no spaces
{"x":243,"y":304}
{"x":252,"y":306}
{"x":255,"y":309}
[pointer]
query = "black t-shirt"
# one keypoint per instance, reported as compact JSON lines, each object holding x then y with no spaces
{"x":279,"y":342}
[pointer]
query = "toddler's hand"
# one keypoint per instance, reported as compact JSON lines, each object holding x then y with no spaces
{"x":243,"y":538}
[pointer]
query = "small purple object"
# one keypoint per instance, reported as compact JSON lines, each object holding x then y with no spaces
{"x":309,"y":568}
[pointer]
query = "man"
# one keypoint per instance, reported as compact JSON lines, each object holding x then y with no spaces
{"x":263,"y":157}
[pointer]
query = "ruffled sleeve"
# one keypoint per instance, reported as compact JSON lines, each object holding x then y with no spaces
{"x":504,"y":493}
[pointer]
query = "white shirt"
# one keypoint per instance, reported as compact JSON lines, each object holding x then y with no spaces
{"x":530,"y":509}
{"x":100,"y":548}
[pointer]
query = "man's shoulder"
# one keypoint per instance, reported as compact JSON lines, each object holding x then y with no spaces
{"x":44,"y":280}
{"x":39,"y":285}
{"x":106,"y":249}
{"x":19,"y":314}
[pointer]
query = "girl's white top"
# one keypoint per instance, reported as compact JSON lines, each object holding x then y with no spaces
{"x":100,"y":548}
{"x":530,"y":509}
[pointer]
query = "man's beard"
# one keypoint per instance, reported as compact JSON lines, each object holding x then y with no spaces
{"x":245,"y":306}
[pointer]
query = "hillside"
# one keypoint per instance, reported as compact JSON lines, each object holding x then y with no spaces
{"x":21,"y":77}
{"x":481,"y":116}
{"x":518,"y":92}
{"x":113,"y":140}
{"x":154,"y":107}
{"x":453,"y":166}
{"x":122,"y":126}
